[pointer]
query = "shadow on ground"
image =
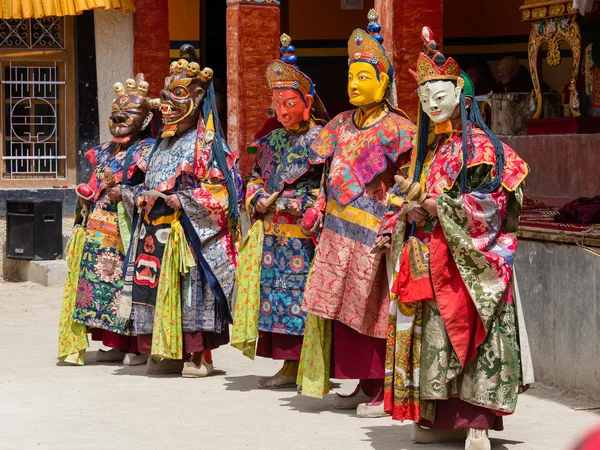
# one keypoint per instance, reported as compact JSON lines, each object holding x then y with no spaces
{"x":244,"y":383}
{"x":398,"y":438}
{"x":572,"y":401}
{"x":310,"y":405}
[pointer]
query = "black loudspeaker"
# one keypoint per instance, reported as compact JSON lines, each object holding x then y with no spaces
{"x":33,"y":229}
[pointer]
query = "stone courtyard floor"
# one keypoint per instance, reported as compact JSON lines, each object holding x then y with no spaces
{"x":108,"y":406}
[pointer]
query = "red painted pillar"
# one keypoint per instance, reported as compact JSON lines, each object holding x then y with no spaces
{"x":252,"y":42}
{"x":151,"y":42}
{"x":401,"y":22}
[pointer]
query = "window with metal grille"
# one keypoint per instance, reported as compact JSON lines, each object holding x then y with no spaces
{"x":33,"y":76}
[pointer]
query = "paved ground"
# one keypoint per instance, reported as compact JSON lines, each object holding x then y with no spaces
{"x":106,"y":406}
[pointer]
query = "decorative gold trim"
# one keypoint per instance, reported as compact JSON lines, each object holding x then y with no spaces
{"x":552,"y":31}
{"x":185,"y":82}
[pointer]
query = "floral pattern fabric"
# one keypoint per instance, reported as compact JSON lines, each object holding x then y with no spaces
{"x":348,"y":282}
{"x":101,"y":277}
{"x":72,"y":336}
{"x":287,"y":251}
{"x":360,"y":154}
{"x":186,"y":166}
{"x":167,"y":335}
{"x":315,"y":361}
{"x":244,"y":335}
{"x":282,"y":157}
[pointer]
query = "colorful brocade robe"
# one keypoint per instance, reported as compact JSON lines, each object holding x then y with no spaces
{"x":186,"y":166}
{"x":282,"y":165}
{"x":101,"y":276}
{"x":347,"y":282}
{"x":461,"y":340}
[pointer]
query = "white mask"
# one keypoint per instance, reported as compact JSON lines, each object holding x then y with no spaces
{"x":439,"y":99}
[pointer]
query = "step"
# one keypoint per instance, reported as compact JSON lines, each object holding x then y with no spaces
{"x":46,"y":273}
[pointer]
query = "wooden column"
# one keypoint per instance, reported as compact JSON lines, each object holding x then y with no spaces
{"x":402,"y":22}
{"x":151,"y":42}
{"x":252,"y":42}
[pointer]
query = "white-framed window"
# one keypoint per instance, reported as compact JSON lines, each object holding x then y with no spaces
{"x":36,"y":95}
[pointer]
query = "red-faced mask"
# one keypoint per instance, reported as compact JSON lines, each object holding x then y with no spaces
{"x":291,"y":110}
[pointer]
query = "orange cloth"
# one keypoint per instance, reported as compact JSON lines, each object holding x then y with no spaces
{"x":27,"y":9}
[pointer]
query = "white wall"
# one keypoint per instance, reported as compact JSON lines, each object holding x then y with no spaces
{"x":114,"y":59}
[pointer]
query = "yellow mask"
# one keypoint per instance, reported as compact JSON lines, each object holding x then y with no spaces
{"x":363,"y":86}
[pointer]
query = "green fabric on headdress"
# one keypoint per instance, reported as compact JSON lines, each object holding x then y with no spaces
{"x":469,"y":90}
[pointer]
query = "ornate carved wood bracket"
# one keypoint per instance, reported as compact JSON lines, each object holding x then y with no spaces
{"x":552,"y":22}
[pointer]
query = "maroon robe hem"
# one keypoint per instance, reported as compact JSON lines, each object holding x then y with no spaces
{"x":279,"y":346}
{"x":456,"y":414}
{"x":193,"y":342}
{"x":114,"y":340}
{"x":356,"y":356}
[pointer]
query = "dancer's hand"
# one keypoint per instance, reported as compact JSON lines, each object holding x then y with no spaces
{"x":294,"y":209}
{"x":430,"y":205}
{"x":416,"y":214}
{"x":382,"y":244}
{"x":84,"y":202}
{"x":261,"y":206}
{"x":173,"y":201}
{"x":114,"y":194}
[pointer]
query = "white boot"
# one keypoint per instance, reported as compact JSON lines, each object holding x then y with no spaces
{"x":477,"y":440}
{"x":133,"y":359}
{"x":112,"y":355}
{"x":373,"y":409}
{"x":158,"y":366}
{"x":350,"y":401}
{"x":191,"y":370}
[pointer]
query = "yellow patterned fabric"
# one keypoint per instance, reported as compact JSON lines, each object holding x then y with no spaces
{"x":247,"y":307}
{"x":28,"y":9}
{"x":167,"y":335}
{"x":72,"y":336}
{"x":315,"y":361}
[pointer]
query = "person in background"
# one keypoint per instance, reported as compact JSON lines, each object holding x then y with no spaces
{"x":482,"y":76}
{"x":513,"y":76}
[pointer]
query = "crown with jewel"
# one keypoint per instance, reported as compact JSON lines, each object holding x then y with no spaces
{"x":366,"y":46}
{"x":284,"y":73}
{"x":432,"y":64}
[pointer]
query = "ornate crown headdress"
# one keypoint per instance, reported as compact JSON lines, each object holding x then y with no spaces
{"x":432,"y":64}
{"x":367,"y":46}
{"x":284,"y":73}
{"x":138,"y":86}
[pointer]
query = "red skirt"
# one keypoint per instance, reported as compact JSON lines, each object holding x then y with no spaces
{"x":193,"y":342}
{"x":356,"y":356}
{"x":455,"y":414}
{"x":113,"y":340}
{"x":279,"y":346}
